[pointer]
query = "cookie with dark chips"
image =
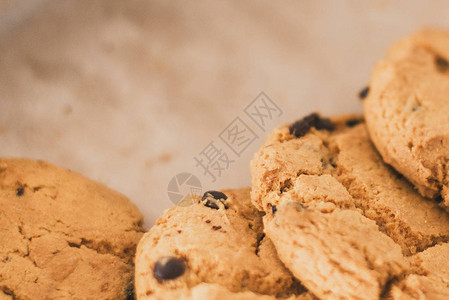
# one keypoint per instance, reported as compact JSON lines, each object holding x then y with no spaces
{"x":341,"y":220}
{"x":63,"y":236}
{"x":197,"y":244}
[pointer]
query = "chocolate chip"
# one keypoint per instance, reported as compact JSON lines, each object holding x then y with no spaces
{"x":216,"y":194}
{"x":324,"y":124}
{"x":274,"y":209}
{"x":333,"y":164}
{"x":214,"y":199}
{"x":323,"y":163}
{"x":352,"y":122}
{"x":302,"y":127}
{"x":168,"y":267}
{"x":216,"y":227}
{"x":442,"y":64}
{"x":207,"y":221}
{"x":364,"y":93}
{"x":211,"y":204}
{"x":20,"y":191}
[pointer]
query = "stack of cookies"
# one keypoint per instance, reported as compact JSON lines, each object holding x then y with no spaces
{"x":349,"y":207}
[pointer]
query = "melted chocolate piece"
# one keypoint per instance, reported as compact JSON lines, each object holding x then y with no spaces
{"x":442,"y":64}
{"x":213,"y":199}
{"x":303,"y":126}
{"x":168,"y":268}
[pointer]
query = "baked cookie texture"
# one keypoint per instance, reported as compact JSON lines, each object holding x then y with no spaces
{"x":407,"y":111}
{"x":63,"y":236}
{"x":431,"y":280}
{"x":341,"y":220}
{"x":219,"y":243}
{"x":337,"y":255}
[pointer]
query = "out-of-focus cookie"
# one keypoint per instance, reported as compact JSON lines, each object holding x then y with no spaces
{"x":218,"y":239}
{"x":63,"y":236}
{"x":407,"y":111}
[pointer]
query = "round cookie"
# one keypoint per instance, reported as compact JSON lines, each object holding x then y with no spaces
{"x":407,"y":111}
{"x":351,"y":214}
{"x":63,"y":236}
{"x":216,"y":239}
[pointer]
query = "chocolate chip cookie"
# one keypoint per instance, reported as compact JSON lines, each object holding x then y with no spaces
{"x":216,"y":240}
{"x":63,"y":236}
{"x":341,"y":220}
{"x":407,"y":111}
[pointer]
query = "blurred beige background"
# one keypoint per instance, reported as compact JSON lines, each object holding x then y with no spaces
{"x":129,"y":92}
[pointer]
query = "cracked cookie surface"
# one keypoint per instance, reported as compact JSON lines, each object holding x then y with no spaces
{"x":335,"y":172}
{"x":431,"y":280}
{"x":63,"y":236}
{"x":407,"y":110}
{"x":337,"y":255}
{"x":223,"y":245}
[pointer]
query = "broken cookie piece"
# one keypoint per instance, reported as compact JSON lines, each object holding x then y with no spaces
{"x":338,"y":255}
